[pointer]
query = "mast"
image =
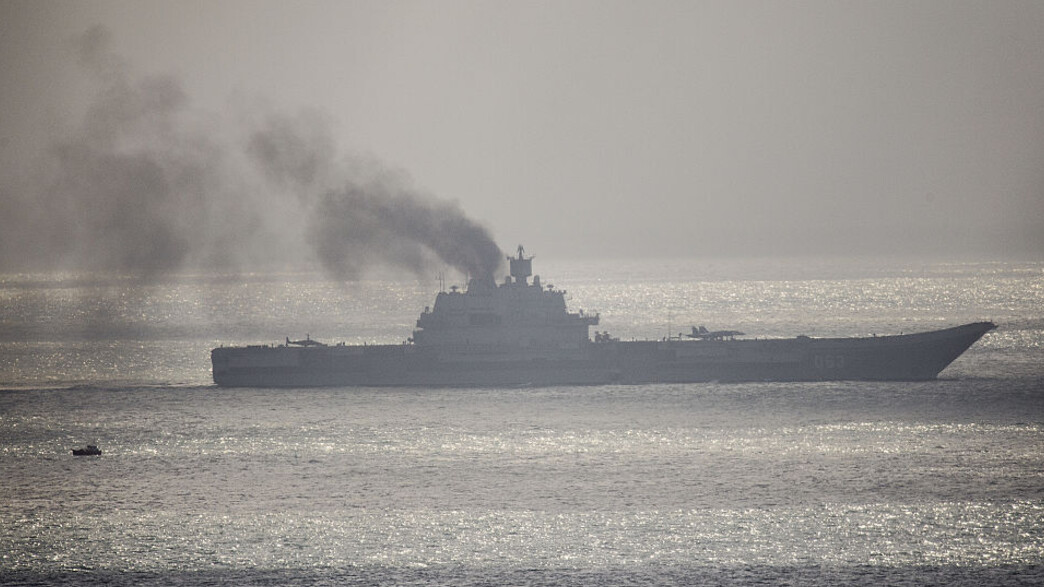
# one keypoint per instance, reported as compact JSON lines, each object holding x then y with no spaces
{"x":521,"y":267}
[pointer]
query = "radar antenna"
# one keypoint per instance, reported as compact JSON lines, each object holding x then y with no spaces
{"x":521,"y":267}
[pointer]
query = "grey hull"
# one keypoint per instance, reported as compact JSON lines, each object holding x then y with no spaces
{"x":910,"y":357}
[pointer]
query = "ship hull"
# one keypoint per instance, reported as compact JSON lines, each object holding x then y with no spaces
{"x":911,"y":357}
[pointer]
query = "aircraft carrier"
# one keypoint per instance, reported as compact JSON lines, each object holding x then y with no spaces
{"x":520,"y":333}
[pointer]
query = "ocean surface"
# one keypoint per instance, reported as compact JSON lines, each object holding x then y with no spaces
{"x":859,"y":483}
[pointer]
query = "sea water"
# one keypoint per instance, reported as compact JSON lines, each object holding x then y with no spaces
{"x":797,"y":483}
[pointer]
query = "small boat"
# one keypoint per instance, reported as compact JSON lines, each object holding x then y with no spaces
{"x":89,"y":451}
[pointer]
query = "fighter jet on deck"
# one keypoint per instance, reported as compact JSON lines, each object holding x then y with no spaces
{"x":703,"y":334}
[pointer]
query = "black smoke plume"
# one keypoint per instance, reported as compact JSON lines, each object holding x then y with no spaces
{"x":360,"y":224}
{"x":361,"y":214}
{"x":144,"y":185}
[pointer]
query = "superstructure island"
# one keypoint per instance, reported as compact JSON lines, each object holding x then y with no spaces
{"x":520,"y":332}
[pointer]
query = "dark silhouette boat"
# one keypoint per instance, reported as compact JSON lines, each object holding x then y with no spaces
{"x":88,"y":451}
{"x":520,"y":333}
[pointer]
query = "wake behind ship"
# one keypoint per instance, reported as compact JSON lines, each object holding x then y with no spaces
{"x":521,"y":333}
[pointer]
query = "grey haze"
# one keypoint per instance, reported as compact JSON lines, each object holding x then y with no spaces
{"x":235,"y":133}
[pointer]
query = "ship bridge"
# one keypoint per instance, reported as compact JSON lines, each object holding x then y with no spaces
{"x":515,"y":313}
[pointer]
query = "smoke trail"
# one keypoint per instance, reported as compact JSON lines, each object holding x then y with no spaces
{"x":294,"y":153}
{"x":360,"y":224}
{"x":146,"y":186}
{"x":359,"y":213}
{"x":136,"y":187}
{"x":128,"y":190}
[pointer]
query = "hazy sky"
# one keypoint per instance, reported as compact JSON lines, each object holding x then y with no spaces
{"x":630,"y":128}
